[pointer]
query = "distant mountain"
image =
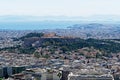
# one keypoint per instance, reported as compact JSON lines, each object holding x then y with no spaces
{"x":102,"y":18}
{"x":88,"y":26}
{"x":34,"y":18}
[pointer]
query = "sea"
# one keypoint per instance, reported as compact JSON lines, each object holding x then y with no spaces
{"x":36,"y":25}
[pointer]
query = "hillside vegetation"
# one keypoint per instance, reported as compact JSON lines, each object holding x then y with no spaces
{"x":33,"y":41}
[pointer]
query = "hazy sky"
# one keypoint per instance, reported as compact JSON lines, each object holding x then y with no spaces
{"x":59,"y":7}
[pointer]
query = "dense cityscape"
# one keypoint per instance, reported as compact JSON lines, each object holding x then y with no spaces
{"x":50,"y":56}
{"x":59,"y":39}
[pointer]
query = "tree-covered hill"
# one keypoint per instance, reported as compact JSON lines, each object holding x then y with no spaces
{"x":33,"y":41}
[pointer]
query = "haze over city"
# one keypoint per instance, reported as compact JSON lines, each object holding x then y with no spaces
{"x":56,"y":10}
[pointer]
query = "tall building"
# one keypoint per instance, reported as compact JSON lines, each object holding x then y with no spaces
{"x":65,"y":74}
{"x":1,"y":72}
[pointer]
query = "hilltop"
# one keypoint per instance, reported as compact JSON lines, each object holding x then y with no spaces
{"x":46,"y":45}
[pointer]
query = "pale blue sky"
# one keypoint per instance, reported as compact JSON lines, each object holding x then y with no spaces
{"x":59,"y":7}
